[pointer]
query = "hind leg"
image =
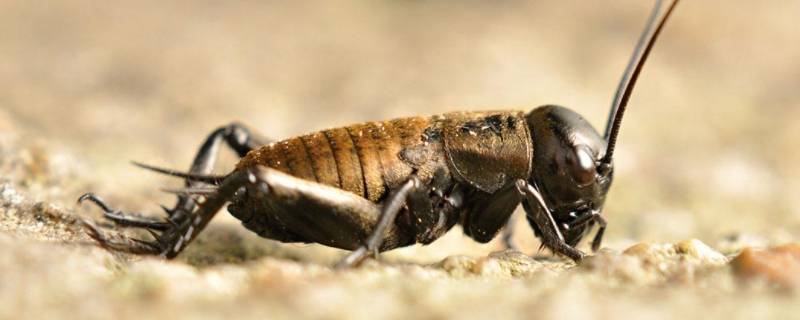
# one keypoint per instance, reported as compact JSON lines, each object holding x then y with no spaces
{"x":287,"y":208}
{"x":290,"y":209}
{"x":236,"y":136}
{"x":171,"y":237}
{"x":271,"y":202}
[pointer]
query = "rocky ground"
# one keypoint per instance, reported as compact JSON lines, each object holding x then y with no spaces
{"x":703,"y":221}
{"x":51,"y":269}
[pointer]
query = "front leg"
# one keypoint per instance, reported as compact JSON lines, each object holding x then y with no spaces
{"x":592,"y":217}
{"x":550,"y":234}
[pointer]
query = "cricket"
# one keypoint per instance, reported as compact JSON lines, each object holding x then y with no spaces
{"x":376,"y":186}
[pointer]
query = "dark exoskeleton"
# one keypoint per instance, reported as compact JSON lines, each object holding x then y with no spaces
{"x":377,"y":186}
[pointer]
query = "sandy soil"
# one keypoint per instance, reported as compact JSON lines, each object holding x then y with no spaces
{"x":707,"y":152}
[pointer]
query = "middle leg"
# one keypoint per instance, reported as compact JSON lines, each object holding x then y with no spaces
{"x":391,"y":207}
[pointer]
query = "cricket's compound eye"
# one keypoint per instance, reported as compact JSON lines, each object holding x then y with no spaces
{"x":581,"y":165}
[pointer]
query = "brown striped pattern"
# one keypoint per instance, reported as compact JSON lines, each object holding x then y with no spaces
{"x":367,"y":148}
{"x":348,"y":165}
{"x":361,"y":158}
{"x":297,"y":158}
{"x":322,"y":158}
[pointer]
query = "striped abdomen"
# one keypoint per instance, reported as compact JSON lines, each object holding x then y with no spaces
{"x":362,"y":159}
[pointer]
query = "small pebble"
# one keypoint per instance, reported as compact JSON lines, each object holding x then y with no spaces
{"x":779,"y":266}
{"x":489,"y":267}
{"x":457,"y":266}
{"x":688,"y":250}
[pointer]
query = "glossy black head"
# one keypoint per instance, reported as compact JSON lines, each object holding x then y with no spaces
{"x":572,"y":162}
{"x":567,"y":168}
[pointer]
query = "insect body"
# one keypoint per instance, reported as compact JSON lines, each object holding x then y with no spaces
{"x":377,"y":186}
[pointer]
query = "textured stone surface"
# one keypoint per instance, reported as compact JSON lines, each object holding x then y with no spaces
{"x":48,"y":269}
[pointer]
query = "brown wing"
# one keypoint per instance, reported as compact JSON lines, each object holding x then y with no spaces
{"x":488,"y":150}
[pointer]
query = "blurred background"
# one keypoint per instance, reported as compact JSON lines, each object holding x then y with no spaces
{"x":708,"y":149}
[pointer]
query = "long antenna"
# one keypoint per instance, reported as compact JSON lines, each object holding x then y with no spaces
{"x":628,"y":81}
